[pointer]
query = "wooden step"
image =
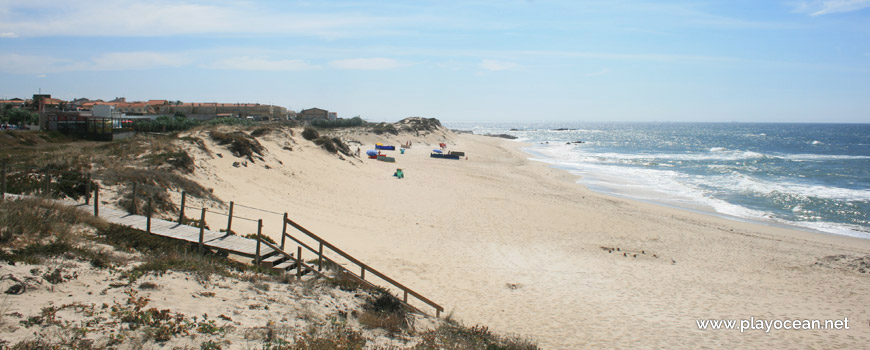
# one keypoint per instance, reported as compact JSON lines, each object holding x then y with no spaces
{"x":272,"y":260}
{"x":286,"y":265}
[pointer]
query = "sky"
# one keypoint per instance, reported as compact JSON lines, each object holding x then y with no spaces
{"x":472,"y":60}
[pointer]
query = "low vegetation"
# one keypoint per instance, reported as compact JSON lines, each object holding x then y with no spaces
{"x":310,"y":133}
{"x":384,"y":128}
{"x":157,"y":164}
{"x":180,"y":122}
{"x":49,"y":236}
{"x":454,"y":336}
{"x":239,"y":143}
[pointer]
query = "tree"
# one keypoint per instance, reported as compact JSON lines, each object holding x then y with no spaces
{"x":21,"y":116}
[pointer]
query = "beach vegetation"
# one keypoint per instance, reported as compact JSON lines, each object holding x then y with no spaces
{"x":258,"y":132}
{"x":310,"y":133}
{"x":239,"y":143}
{"x":384,"y":128}
{"x":453,"y":335}
{"x":416,"y":124}
{"x":385,"y":311}
{"x":328,"y":265}
{"x":338,"y":123}
{"x":31,"y":220}
{"x":332,"y":145}
{"x":180,"y":122}
{"x":345,"y":281}
{"x":178,"y":160}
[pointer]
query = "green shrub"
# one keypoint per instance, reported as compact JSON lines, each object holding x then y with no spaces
{"x":384,"y":128}
{"x":164,"y":124}
{"x":310,"y":133}
{"x":338,"y":123}
{"x":231,"y":121}
{"x":332,"y":145}
{"x":36,"y":218}
{"x":261,"y":131}
{"x":179,"y":160}
{"x":239,"y":143}
{"x":450,"y":335}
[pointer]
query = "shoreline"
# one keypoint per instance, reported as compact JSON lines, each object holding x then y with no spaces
{"x":697,"y":206}
{"x":805,"y":231}
{"x":521,"y":247}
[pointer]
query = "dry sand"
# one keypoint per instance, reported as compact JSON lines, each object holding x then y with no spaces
{"x":520,"y":247}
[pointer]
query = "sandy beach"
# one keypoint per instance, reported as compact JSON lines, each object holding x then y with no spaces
{"x":506,"y":242}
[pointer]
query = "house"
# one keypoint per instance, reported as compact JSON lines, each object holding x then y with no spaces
{"x":312,"y":114}
{"x":12,"y":103}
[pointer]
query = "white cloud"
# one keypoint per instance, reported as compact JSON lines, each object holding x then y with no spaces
{"x":8,"y":35}
{"x":367,"y":63}
{"x":166,"y":18}
{"x":28,"y":64}
{"x":25,"y":64}
{"x":134,"y":60}
{"x":40,"y":76}
{"x":826,"y":7}
{"x":254,"y":63}
{"x":493,"y":65}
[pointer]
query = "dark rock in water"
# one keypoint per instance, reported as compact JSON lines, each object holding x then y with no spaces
{"x":564,"y":129}
{"x":504,"y":136}
{"x":515,"y":129}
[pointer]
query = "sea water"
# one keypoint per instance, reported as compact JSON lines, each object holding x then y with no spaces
{"x":814,"y":176}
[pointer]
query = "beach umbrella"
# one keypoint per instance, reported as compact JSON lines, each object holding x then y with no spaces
{"x":371,"y":152}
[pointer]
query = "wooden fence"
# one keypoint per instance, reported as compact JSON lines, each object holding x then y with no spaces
{"x":273,"y":253}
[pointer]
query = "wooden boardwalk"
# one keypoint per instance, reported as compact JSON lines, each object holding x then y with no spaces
{"x":218,"y":240}
{"x":268,"y":255}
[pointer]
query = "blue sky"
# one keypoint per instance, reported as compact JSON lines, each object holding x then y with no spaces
{"x":730,"y":60}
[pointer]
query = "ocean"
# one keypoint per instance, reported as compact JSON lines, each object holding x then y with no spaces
{"x":810,"y":176}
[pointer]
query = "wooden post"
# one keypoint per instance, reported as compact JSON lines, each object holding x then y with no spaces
{"x":135,"y":209}
{"x":437,"y":313}
{"x":181,"y":214}
{"x":259,"y":238}
{"x":88,"y":190}
{"x":201,"y":229}
{"x":230,"y":219}
{"x":405,"y":298}
{"x":284,"y":231}
{"x":148,"y":217}
{"x":47,"y":190}
{"x":320,"y":258}
{"x":3,"y":186}
{"x":299,"y":263}
{"x":362,"y":273}
{"x":97,"y":201}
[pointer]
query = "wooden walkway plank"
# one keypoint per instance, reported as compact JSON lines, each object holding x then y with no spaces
{"x":170,"y":229}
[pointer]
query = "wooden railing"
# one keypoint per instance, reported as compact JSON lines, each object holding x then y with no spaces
{"x":300,"y":263}
{"x":362,"y":266}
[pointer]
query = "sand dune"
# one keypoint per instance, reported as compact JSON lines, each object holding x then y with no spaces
{"x":520,"y":247}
